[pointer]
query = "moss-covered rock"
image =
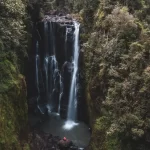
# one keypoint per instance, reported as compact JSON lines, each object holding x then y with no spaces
{"x":13,"y":105}
{"x":13,"y":46}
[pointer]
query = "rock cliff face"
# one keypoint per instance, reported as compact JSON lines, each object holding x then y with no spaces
{"x":51,"y":63}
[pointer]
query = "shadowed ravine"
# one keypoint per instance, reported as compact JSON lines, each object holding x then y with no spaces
{"x":74,"y":64}
{"x":55,"y":78}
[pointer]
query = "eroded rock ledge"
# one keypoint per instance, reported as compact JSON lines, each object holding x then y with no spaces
{"x":67,"y":19}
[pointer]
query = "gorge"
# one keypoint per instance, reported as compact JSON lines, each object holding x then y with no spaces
{"x":67,"y":65}
{"x":54,"y":77}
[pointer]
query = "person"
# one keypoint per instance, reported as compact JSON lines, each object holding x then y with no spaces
{"x":64,"y":143}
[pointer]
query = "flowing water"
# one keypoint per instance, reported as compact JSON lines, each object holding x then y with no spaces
{"x":56,"y":63}
{"x":79,"y":134}
{"x":73,"y":90}
{"x":72,"y":107}
{"x":61,"y":92}
{"x":55,"y":78}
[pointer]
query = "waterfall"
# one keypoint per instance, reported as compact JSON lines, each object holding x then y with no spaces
{"x":37,"y":75}
{"x":72,"y":108}
{"x":66,"y":38}
{"x":54,"y":79}
{"x":37,"y":70}
{"x":50,"y":65}
{"x":52,"y":75}
{"x":56,"y":63}
{"x":61,"y":93}
{"x":46,"y":73}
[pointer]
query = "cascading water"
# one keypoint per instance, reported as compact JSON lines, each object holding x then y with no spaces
{"x":61,"y":93}
{"x":37,"y":71}
{"x":51,"y":70}
{"x":37,"y":75}
{"x":57,"y":87}
{"x":53,"y":74}
{"x":72,"y":107}
{"x":57,"y":53}
{"x":73,"y":90}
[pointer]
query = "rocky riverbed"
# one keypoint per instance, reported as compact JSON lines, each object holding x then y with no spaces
{"x":43,"y":141}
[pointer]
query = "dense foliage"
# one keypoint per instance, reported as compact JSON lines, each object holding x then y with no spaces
{"x":117,"y":60}
{"x":115,"y":43}
{"x":116,"y":47}
{"x":13,"y":46}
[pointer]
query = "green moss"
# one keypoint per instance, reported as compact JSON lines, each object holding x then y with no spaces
{"x":112,"y":143}
{"x":13,"y":106}
{"x":26,"y":147}
{"x":13,"y":45}
{"x":84,"y":37}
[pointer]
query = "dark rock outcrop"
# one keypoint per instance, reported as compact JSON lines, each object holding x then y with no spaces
{"x":51,"y":52}
{"x":45,"y":141}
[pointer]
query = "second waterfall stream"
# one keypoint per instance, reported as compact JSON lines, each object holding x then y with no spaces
{"x":72,"y":107}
